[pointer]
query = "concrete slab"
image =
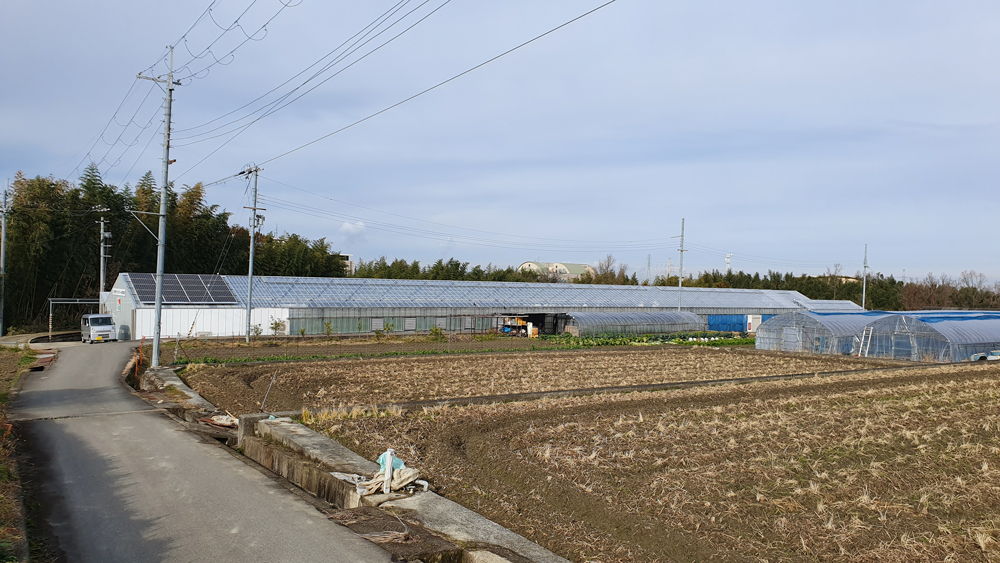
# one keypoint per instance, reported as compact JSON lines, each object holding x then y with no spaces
{"x":314,"y":446}
{"x":163,"y":378}
{"x":437,"y":513}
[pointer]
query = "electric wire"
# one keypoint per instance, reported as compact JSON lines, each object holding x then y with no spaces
{"x":248,"y":37}
{"x":300,"y":73}
{"x":445,"y":224}
{"x":397,"y":104}
{"x":125,"y":128}
{"x":438,"y":85}
{"x":274,"y":202}
{"x":270,"y":108}
{"x":100,"y":135}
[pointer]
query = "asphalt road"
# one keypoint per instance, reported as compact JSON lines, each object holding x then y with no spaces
{"x":121,"y":481}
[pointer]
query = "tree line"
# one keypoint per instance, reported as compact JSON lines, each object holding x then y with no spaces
{"x":52,"y":251}
{"x":53,"y":242}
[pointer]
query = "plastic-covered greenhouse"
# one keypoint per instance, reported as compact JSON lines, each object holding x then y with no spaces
{"x":815,"y":332}
{"x":932,"y":337}
{"x":594,"y":324}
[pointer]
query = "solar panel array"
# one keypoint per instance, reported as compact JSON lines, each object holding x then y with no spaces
{"x":194,"y":289}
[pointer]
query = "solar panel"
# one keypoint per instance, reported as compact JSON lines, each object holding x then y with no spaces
{"x":144,"y":286}
{"x":184,"y":289}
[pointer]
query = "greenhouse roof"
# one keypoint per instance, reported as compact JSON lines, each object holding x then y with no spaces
{"x":956,"y":329}
{"x":838,"y":323}
{"x":305,"y":292}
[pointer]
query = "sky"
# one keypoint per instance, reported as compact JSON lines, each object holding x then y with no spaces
{"x":788,"y":134}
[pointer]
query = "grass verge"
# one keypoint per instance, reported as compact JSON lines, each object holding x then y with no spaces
{"x":13,"y":364}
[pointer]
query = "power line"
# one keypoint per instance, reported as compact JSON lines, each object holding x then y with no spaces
{"x":493,"y":241}
{"x":248,"y":37}
{"x":447,"y":225}
{"x":438,"y":85}
{"x":397,"y":104}
{"x":377,"y":21}
{"x":270,"y":108}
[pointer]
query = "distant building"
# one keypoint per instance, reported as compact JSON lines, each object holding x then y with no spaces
{"x":348,"y":264}
{"x":564,"y":270}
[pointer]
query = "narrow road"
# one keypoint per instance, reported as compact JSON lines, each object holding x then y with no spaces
{"x":121,"y":481}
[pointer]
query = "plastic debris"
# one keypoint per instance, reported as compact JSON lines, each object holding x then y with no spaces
{"x":223,"y":421}
{"x":396,"y":462}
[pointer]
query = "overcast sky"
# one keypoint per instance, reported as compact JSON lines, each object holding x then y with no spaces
{"x":789,"y":134}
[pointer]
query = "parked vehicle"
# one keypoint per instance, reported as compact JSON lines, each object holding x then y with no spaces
{"x":992,"y":356}
{"x":98,"y":328}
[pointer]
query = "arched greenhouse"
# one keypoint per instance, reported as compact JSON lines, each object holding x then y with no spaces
{"x":815,"y":332}
{"x":594,"y":324}
{"x":944,"y":337}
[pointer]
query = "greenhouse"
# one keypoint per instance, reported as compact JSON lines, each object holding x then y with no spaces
{"x":814,"y":331}
{"x":931,"y":336}
{"x":213,"y":305}
{"x":595,"y":324}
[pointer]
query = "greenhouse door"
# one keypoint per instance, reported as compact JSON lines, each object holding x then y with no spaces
{"x":902,"y":349}
{"x":791,"y":339}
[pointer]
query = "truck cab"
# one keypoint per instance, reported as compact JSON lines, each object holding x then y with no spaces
{"x":98,"y":328}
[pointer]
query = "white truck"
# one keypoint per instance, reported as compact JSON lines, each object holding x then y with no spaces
{"x":992,"y":356}
{"x":98,"y":328}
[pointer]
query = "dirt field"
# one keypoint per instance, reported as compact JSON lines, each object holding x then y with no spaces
{"x":217,"y":350}
{"x":352,"y":382}
{"x":880,"y":466}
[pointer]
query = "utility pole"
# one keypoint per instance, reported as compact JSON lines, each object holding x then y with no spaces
{"x":161,"y":238}
{"x":680,"y":277}
{"x":864,"y":283}
{"x":728,"y":268}
{"x":105,"y":235}
{"x":649,"y":270}
{"x":255,"y":222}
{"x":3,"y":255}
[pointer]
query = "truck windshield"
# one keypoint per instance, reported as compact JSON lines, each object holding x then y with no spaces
{"x":100,"y":321}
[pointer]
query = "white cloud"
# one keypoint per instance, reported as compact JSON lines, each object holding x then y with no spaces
{"x":353,"y":233}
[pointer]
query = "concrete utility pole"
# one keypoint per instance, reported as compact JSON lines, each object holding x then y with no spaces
{"x":680,"y":277}
{"x":161,"y":238}
{"x":728,"y":268}
{"x":104,"y":255}
{"x":3,"y":255}
{"x":864,"y":283}
{"x":255,"y":221}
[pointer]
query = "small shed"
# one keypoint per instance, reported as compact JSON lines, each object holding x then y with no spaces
{"x":817,"y":332}
{"x":930,"y":337}
{"x":594,"y":324}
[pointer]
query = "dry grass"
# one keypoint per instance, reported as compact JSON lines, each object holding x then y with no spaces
{"x":345,"y":383}
{"x":12,"y":362}
{"x":883,"y":466}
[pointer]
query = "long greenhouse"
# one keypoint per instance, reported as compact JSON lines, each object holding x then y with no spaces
{"x":214,"y":306}
{"x":930,"y":337}
{"x":595,"y":324}
{"x":814,"y":331}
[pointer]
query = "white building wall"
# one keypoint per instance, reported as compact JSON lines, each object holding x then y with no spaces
{"x":205,"y":321}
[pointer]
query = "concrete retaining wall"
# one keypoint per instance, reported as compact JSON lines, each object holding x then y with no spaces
{"x":306,"y":458}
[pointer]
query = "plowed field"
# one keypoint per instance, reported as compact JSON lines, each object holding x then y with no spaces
{"x":884,"y":466}
{"x":351,"y":382}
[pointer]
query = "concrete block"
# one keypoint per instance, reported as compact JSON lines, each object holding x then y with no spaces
{"x":314,"y":446}
{"x":248,"y":423}
{"x":306,"y":474}
{"x":441,"y":515}
{"x":162,"y":378}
